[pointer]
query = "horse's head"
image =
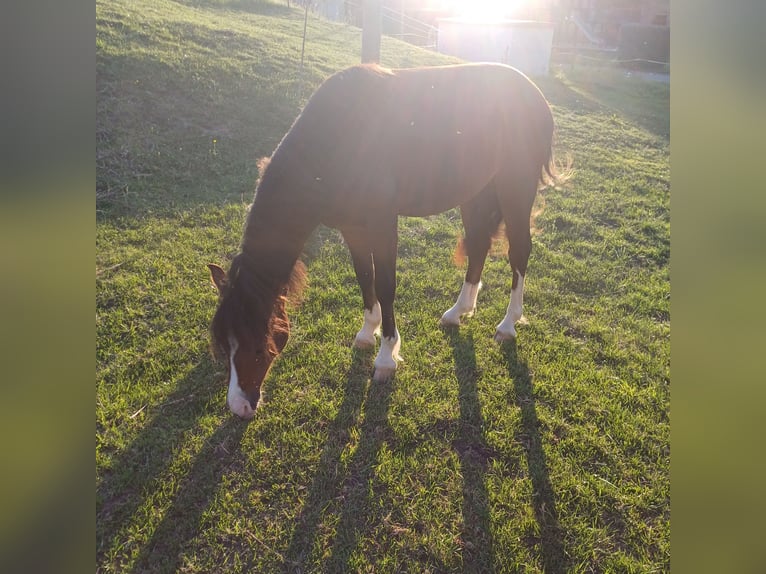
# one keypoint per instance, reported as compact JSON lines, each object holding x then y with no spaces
{"x":249,"y":330}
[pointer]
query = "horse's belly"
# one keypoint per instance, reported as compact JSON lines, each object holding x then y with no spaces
{"x":442,"y":185}
{"x":417,"y":201}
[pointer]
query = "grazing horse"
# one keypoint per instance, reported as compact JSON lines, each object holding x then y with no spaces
{"x":373,"y":144}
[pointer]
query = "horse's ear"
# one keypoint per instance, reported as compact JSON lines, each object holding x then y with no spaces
{"x":217,"y":276}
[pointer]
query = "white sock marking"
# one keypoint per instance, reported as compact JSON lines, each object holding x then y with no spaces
{"x":506,"y":329}
{"x":388,"y":355}
{"x":366,"y":335}
{"x":465,"y":305}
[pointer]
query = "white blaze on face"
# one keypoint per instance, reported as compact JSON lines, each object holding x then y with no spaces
{"x":235,"y":397}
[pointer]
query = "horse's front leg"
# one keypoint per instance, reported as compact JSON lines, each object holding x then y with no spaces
{"x":361,"y":255}
{"x":384,"y":257}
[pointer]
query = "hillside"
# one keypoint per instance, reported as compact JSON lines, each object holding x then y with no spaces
{"x":178,"y":84}
{"x":550,"y":455}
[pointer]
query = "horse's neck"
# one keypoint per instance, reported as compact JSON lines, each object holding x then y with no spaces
{"x":274,"y":239}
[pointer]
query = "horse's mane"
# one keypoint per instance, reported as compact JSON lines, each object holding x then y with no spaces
{"x":249,"y":302}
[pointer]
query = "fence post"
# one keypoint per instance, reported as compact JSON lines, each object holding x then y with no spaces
{"x":303,"y":51}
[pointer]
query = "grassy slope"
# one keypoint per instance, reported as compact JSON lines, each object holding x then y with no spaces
{"x":551,"y":455}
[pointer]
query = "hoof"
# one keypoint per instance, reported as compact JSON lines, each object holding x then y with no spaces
{"x":383,"y":374}
{"x":504,"y":335}
{"x":446,"y":321}
{"x":451,"y":318}
{"x":364,"y":342}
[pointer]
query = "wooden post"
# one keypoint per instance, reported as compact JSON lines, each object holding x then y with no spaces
{"x":371,"y":31}
{"x":303,"y":50}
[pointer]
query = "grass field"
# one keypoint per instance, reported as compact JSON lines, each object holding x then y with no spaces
{"x":547,"y":455}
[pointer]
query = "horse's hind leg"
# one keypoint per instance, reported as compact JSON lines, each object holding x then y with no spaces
{"x":516,"y":207}
{"x":361,"y":255}
{"x":481,"y":218}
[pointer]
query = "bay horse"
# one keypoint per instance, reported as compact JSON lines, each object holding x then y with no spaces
{"x":370,"y":145}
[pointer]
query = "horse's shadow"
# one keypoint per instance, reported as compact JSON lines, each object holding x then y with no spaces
{"x":181,"y":522}
{"x":332,"y":485}
{"x":474,"y":455}
{"x":543,"y":502}
{"x":122,"y":490}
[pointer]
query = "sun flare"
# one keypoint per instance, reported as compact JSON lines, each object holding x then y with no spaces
{"x":486,"y":9}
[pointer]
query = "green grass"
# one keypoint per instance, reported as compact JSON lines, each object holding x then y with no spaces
{"x":550,"y":455}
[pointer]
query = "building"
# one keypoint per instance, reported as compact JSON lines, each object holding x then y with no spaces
{"x":523,"y":44}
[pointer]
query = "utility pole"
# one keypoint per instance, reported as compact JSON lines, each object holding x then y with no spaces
{"x":371,"y":31}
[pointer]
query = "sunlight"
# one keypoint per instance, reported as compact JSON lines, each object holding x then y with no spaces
{"x":487,"y":9}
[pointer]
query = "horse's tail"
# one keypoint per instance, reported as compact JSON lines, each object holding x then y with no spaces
{"x":460,"y":253}
{"x":553,"y":173}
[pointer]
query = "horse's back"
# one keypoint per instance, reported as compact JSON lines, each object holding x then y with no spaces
{"x":416,"y":141}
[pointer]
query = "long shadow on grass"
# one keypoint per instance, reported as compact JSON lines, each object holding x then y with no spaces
{"x":333,"y":486}
{"x":612,"y":94}
{"x":550,"y":539}
{"x":474,"y":455}
{"x":134,"y":471}
{"x":359,"y":488}
{"x":181,"y":522}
